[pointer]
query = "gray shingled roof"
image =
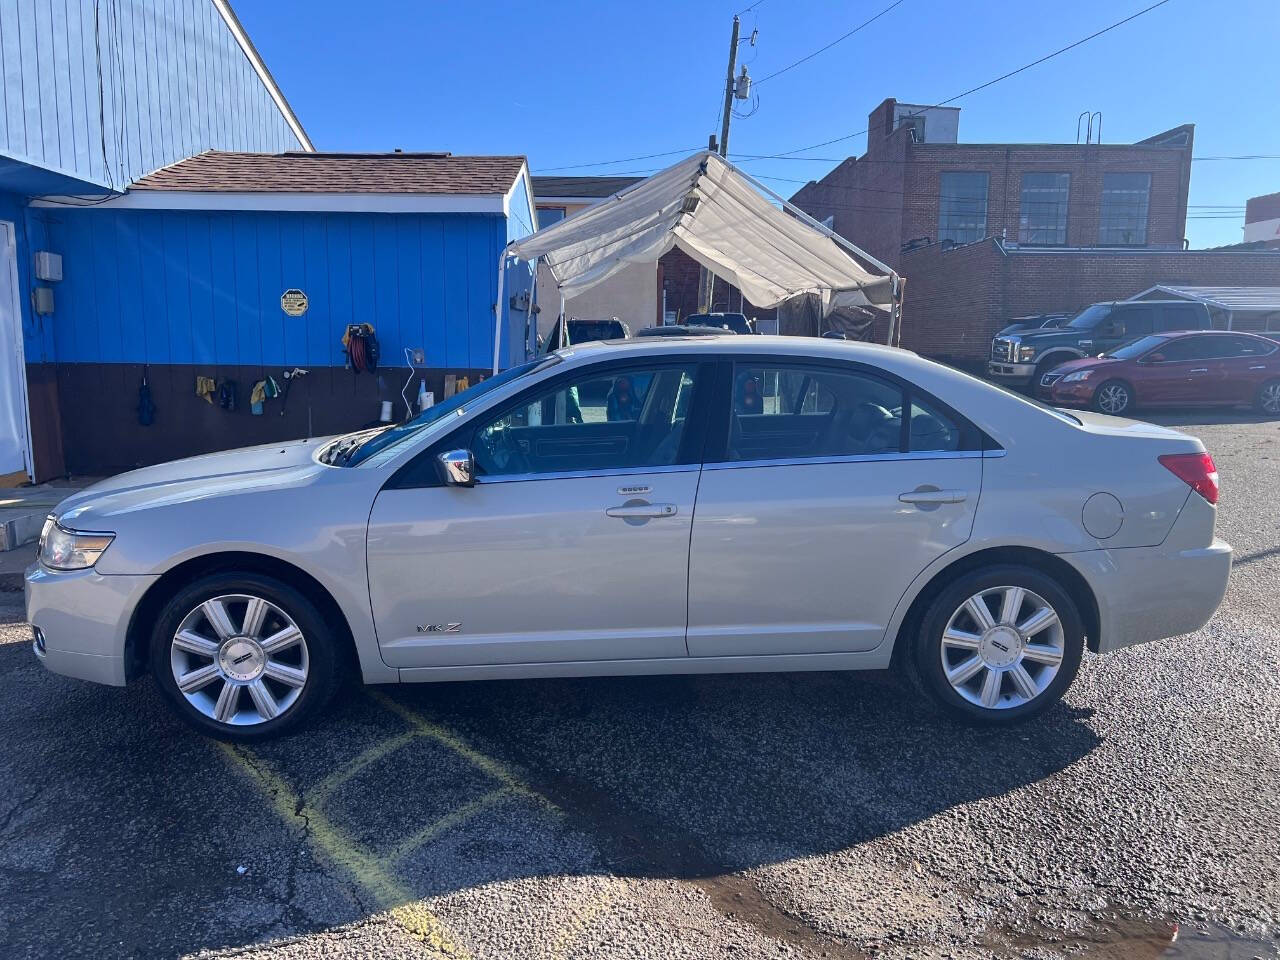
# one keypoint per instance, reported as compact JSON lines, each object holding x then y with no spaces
{"x":218,"y":171}
{"x":549,"y":188}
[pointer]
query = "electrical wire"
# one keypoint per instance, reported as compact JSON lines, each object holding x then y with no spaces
{"x":982,"y":86}
{"x":840,"y":39}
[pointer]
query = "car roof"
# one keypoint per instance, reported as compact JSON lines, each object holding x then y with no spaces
{"x":699,"y":344}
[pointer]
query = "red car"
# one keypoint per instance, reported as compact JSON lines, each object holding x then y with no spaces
{"x":1192,"y":368}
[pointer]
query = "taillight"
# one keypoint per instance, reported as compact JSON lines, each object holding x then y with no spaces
{"x":1196,"y":470}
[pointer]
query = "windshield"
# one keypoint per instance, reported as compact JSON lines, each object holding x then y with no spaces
{"x":1090,"y":317}
{"x":1135,"y":348}
{"x":353,"y":448}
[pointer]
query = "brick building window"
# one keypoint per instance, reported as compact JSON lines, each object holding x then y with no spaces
{"x":962,"y":207}
{"x":1042,"y":220}
{"x":1125,"y":199}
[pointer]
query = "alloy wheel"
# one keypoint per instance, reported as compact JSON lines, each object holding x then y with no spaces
{"x":1269,"y":398}
{"x":1002,"y":647}
{"x":239,"y":659}
{"x":1113,"y":398}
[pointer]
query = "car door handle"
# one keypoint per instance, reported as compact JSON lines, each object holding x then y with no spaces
{"x":644,"y":510}
{"x":933,"y":496}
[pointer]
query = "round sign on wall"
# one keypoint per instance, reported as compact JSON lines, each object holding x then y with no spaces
{"x":293,"y":302}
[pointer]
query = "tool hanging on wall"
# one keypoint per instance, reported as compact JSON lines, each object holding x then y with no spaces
{"x":361,"y":346}
{"x":146,"y":406}
{"x":289,"y":377}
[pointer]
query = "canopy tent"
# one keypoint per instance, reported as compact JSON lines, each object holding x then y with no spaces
{"x":725,"y":220}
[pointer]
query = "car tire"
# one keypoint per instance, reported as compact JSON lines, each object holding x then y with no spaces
{"x":1114,"y":398}
{"x":243,"y":656}
{"x":1012,"y":670}
{"x":1267,"y":402}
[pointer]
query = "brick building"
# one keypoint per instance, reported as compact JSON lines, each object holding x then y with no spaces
{"x":1262,"y":220}
{"x":985,"y":232}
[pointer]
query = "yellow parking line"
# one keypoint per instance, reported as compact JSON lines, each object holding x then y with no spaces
{"x":321,"y":791}
{"x":438,"y":733}
{"x":450,"y":820}
{"x":364,"y":868}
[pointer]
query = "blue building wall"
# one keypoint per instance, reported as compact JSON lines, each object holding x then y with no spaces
{"x":104,"y":91}
{"x":203,"y":287}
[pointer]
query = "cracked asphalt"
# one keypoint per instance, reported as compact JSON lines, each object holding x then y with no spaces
{"x":814,"y":815}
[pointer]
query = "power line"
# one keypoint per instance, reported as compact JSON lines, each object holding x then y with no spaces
{"x":605,"y":163}
{"x":983,"y":86}
{"x":839,"y":39}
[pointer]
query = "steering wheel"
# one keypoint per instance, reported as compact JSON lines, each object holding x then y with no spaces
{"x":502,"y":454}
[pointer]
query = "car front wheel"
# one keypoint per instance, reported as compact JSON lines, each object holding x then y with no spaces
{"x":998,"y":645}
{"x":1114,"y":397}
{"x":243,"y":656}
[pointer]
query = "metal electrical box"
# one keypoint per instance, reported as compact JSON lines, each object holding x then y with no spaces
{"x":48,"y":266}
{"x":42,"y":300}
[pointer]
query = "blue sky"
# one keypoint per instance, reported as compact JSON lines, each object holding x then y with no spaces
{"x":575,"y":82}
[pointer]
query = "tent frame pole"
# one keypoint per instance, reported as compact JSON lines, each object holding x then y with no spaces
{"x":497,"y":311}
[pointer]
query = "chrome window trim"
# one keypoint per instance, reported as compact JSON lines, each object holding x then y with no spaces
{"x":856,"y":458}
{"x":579,"y":474}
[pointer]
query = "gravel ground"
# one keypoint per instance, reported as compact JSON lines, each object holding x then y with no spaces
{"x":816,"y":815}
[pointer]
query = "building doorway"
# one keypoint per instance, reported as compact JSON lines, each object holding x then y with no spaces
{"x":15,"y":448}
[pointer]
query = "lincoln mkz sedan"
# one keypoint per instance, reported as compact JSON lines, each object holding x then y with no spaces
{"x":660,"y":505}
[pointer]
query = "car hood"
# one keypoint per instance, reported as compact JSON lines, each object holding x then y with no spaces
{"x":1052,"y":336}
{"x":195,"y":478}
{"x":1084,"y":363}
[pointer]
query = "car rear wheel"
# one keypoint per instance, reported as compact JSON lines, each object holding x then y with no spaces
{"x":1114,"y":397}
{"x":998,"y":645}
{"x":243,"y":656}
{"x":1268,"y":400}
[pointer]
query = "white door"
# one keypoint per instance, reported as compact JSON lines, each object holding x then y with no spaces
{"x":822,"y":511}
{"x":572,"y":546}
{"x":14,"y":448}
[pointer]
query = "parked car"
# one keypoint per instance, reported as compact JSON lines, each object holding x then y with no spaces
{"x":684,"y":330}
{"x":857,"y":507}
{"x":1206,"y":368}
{"x":586,"y":331}
{"x":1038,"y":321}
{"x":737,"y":322}
{"x":1021,"y":359}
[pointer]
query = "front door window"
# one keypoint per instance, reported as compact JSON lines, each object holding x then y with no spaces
{"x":630,"y":418}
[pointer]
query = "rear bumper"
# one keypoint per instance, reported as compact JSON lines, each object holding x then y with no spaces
{"x":84,"y":619}
{"x":1151,"y":593}
{"x":1013,"y":374}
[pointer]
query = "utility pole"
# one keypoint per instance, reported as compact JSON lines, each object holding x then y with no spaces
{"x":706,"y":288}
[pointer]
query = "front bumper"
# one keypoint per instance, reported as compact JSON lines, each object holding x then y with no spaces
{"x":83,"y":617}
{"x":1151,"y":593}
{"x":1014,"y":374}
{"x":1078,"y":393}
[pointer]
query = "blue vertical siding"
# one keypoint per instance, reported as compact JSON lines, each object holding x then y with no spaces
{"x":171,"y":78}
{"x":203,"y":287}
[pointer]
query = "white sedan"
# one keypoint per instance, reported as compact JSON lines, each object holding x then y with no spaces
{"x":699,"y":505}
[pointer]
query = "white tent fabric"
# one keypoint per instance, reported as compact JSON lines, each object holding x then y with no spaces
{"x":718,"y":215}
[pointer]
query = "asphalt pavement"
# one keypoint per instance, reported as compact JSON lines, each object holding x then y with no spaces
{"x":806,"y":815}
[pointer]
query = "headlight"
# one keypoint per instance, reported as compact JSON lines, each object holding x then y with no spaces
{"x":1077,"y":376}
{"x":62,"y":549}
{"x":1026,"y":354}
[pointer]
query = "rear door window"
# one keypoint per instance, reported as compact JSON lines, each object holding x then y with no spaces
{"x":1181,"y":316}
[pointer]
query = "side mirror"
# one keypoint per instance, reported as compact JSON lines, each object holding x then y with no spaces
{"x":457,"y":468}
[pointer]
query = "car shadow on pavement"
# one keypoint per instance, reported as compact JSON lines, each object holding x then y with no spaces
{"x":124,"y":833}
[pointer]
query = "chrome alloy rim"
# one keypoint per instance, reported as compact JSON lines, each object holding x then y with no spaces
{"x":239,"y":659}
{"x":1002,"y":647}
{"x":1271,"y":398}
{"x":1113,"y":398}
